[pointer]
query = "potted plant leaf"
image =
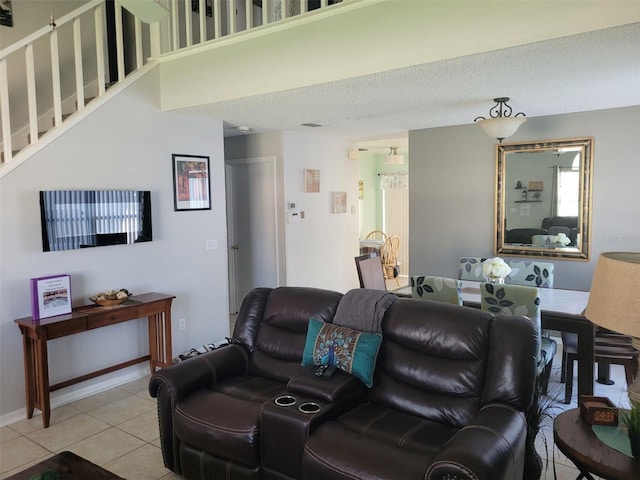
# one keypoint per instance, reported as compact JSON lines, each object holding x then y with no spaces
{"x":541,"y":408}
{"x":631,"y":420}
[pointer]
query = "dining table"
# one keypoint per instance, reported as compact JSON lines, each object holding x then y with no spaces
{"x":371,"y":246}
{"x":561,"y":310}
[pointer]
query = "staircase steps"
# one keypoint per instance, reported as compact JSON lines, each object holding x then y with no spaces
{"x":64,"y":117}
{"x":40,"y":134}
{"x":2,"y":155}
{"x":86,"y":101}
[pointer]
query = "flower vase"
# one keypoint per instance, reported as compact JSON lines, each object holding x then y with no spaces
{"x":492,"y":279}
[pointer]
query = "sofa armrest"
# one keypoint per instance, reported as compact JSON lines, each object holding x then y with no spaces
{"x":329,"y":389}
{"x":172,"y":384}
{"x":199,"y":372}
{"x":502,"y":430}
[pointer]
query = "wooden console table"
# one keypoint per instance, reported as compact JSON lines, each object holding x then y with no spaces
{"x":36,"y":333}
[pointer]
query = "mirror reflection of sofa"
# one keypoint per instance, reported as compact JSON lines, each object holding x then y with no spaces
{"x":551,"y":223}
{"x":523,"y":235}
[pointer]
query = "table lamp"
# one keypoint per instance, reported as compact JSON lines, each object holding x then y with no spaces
{"x":614,"y":300}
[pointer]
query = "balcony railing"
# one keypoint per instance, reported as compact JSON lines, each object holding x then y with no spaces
{"x":57,"y":69}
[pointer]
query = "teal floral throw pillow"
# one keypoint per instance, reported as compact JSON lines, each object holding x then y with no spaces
{"x":349,"y":350}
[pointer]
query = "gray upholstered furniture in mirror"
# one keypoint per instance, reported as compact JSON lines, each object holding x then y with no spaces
{"x":543,"y":198}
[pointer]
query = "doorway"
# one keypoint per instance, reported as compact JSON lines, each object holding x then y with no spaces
{"x":251,"y":226}
{"x":384,"y":197}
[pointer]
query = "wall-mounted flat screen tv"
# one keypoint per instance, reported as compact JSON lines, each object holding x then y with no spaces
{"x":94,"y":218}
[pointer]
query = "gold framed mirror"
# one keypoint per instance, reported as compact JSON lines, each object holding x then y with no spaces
{"x":543,"y":198}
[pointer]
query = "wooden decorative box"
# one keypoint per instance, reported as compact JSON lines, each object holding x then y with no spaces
{"x":598,"y":410}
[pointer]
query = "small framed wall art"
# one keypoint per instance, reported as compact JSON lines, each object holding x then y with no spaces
{"x":50,"y":296}
{"x":311,"y":180}
{"x":191,"y":184}
{"x":339,"y":202}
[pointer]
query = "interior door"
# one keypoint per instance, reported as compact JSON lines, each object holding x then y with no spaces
{"x":251,"y":218}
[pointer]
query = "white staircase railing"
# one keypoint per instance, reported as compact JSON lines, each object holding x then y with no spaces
{"x":185,"y":26}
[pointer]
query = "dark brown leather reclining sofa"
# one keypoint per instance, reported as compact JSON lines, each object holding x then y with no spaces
{"x":450,"y":387}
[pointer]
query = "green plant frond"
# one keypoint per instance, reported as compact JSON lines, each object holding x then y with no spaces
{"x":631,"y":419}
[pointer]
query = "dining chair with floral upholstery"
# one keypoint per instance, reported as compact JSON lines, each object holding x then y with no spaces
{"x":440,"y":289}
{"x":501,"y":299}
{"x":531,"y":273}
{"x":470,"y":268}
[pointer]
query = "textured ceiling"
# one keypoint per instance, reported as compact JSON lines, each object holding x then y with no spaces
{"x":591,"y":71}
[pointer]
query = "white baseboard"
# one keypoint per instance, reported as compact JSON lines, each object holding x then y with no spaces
{"x":61,"y":398}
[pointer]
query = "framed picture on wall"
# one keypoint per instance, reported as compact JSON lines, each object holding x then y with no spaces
{"x":191,"y":185}
{"x":50,"y":296}
{"x":311,"y":180}
{"x":339,"y":202}
{"x":6,"y":13}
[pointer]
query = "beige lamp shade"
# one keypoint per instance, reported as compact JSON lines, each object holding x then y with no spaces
{"x":614,"y":298}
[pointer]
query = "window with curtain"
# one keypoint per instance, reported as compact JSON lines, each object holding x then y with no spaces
{"x":395,"y":212}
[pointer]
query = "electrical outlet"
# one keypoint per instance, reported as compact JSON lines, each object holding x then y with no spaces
{"x":182,"y":324}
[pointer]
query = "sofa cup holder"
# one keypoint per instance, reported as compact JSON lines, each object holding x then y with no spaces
{"x":285,"y":400}
{"x":309,"y":407}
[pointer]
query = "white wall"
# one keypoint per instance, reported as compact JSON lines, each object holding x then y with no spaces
{"x":452,"y":185}
{"x":319,"y":251}
{"x":264,"y":145}
{"x":321,"y":248}
{"x":370,"y":209}
{"x":126,"y":144}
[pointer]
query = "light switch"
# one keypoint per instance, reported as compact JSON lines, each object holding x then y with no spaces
{"x":211,"y":244}
{"x":293,"y":217}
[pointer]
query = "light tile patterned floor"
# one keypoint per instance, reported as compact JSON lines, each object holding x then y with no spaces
{"x":118,"y":430}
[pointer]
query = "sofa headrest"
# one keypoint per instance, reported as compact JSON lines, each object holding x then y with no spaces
{"x":363,"y":309}
{"x":287,"y":308}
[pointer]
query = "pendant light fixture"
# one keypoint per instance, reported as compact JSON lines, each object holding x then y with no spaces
{"x":501,"y":124}
{"x":393,"y":158}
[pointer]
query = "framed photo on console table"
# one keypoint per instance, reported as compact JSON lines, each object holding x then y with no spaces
{"x":191,"y":187}
{"x":50,"y":296}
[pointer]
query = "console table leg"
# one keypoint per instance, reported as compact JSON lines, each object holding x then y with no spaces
{"x":153,"y":343}
{"x":42,"y":380}
{"x":160,"y":340}
{"x":30,"y":386}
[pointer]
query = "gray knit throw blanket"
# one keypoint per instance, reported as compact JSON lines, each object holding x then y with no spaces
{"x":362,"y":309}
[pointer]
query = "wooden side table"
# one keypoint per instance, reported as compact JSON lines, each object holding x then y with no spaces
{"x":35,"y":334}
{"x":575,"y":438}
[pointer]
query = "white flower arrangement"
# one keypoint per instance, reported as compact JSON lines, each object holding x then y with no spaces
{"x":495,"y":267}
{"x":562,"y":239}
